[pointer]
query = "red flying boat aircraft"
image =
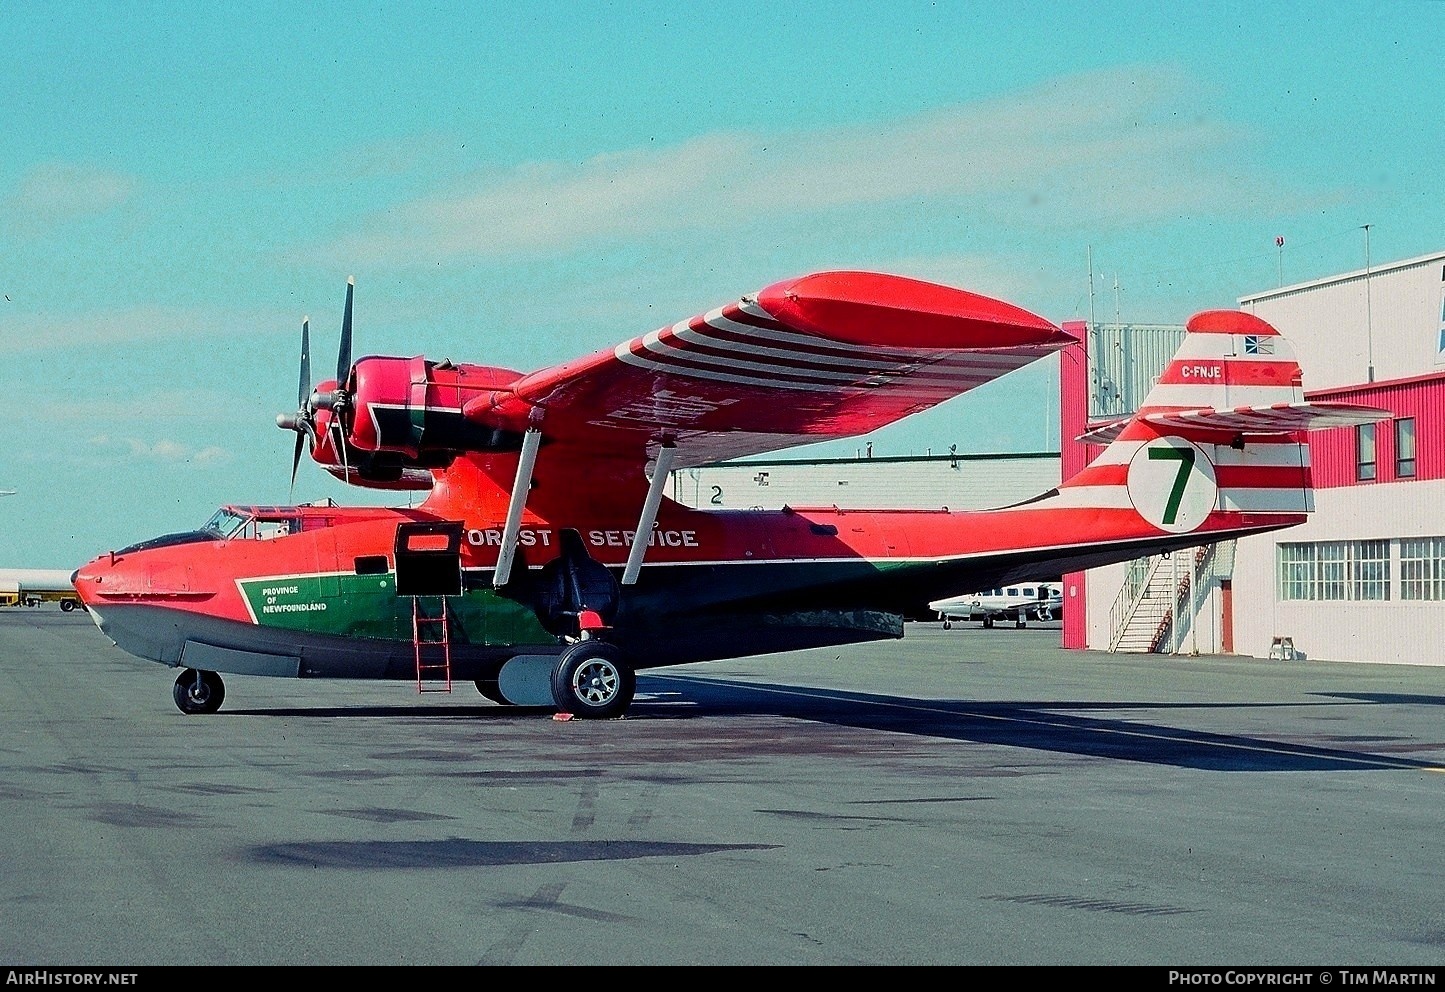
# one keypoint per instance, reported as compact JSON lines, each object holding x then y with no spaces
{"x":547,"y":565}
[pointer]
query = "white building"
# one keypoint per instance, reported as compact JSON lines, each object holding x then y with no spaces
{"x":1364,"y":578}
{"x":958,"y":482}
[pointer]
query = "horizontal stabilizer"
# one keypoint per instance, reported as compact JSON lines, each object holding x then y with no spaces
{"x":1278,"y":418}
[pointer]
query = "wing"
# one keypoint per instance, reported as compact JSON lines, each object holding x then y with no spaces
{"x":824,"y":356}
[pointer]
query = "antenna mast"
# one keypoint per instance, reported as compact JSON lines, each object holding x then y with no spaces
{"x":1369,"y":319}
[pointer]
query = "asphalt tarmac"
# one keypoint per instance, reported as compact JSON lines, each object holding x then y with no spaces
{"x":960,"y":797}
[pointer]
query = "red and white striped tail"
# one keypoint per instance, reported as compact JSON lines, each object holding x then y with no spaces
{"x":1220,"y":431}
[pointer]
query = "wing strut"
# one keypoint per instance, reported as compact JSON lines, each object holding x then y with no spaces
{"x":661,"y":469}
{"x":531,"y":440}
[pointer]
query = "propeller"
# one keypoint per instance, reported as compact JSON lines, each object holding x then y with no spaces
{"x":309,"y":401}
{"x":303,"y":420}
{"x":338,"y":401}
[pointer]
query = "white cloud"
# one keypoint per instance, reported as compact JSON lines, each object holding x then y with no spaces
{"x":212,"y":456}
{"x":984,"y":274}
{"x":1113,"y":147}
{"x":164,"y":450}
{"x":46,"y":329}
{"x":55,"y":192}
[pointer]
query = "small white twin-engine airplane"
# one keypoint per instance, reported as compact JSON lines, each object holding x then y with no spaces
{"x":1041,"y":601}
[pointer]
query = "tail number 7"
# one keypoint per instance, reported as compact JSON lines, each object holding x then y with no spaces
{"x":1185,"y":458}
{"x":1172,"y":484}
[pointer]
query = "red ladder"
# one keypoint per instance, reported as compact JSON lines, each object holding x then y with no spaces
{"x":433,"y":653}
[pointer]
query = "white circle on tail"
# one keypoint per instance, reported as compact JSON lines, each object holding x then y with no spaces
{"x":1172,"y":484}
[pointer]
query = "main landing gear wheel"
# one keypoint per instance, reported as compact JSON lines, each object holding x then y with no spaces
{"x":591,"y":680}
{"x":198,"y":692}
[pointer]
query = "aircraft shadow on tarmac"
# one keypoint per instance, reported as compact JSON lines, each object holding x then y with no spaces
{"x":1084,"y":729}
{"x":460,"y":852}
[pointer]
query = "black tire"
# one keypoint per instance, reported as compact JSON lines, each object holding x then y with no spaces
{"x":67,"y":605}
{"x":591,"y":680}
{"x":947,"y":624}
{"x":492,"y":689}
{"x":988,"y":621}
{"x":198,"y":696}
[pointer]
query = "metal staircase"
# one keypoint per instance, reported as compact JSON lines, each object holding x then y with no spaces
{"x":1154,"y":590}
{"x":431,"y":636}
{"x":1142,"y":606}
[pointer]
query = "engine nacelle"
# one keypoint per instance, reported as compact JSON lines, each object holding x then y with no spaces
{"x":386,"y":409}
{"x":413,"y":408}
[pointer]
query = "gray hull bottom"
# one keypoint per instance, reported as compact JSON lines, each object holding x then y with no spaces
{"x":189,"y":640}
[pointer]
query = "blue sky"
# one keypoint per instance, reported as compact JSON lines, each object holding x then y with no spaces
{"x":517,"y":185}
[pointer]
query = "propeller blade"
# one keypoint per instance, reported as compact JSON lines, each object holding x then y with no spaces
{"x":304,"y":390}
{"x":343,"y":358}
{"x":341,"y":448}
{"x":296,"y":459}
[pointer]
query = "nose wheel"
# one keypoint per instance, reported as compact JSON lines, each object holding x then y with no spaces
{"x":198,"y":692}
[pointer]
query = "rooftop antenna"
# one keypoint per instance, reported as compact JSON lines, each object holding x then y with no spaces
{"x":1091,"y":285}
{"x":1279,"y":244}
{"x":1116,"y":300}
{"x":1369,"y":321}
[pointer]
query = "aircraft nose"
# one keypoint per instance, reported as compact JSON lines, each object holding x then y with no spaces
{"x":88,"y":580}
{"x":139,"y":576}
{"x":112,"y":575}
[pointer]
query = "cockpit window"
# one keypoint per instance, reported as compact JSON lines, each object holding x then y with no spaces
{"x":265,"y":530}
{"x":232,"y":525}
{"x":225,"y":522}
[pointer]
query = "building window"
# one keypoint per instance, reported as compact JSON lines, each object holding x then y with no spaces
{"x":1422,"y":568}
{"x":1370,"y":569}
{"x":1405,"y":447}
{"x":1334,"y":571}
{"x":1365,"y":452}
{"x":1296,"y":571}
{"x":1331,"y":566}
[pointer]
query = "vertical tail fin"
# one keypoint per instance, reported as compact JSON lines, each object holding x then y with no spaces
{"x":1221,"y":431}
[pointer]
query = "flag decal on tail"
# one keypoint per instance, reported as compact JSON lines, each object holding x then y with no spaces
{"x":1172,"y":484}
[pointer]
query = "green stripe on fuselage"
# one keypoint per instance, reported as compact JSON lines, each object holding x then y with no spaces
{"x":367,"y":606}
{"x":349,"y":605}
